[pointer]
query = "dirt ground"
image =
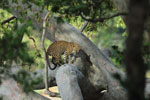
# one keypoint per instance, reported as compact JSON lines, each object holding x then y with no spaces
{"x":53,"y":89}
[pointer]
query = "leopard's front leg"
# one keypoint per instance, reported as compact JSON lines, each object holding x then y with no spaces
{"x":65,"y":58}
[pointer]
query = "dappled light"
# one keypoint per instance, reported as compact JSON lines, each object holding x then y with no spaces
{"x":74,"y":50}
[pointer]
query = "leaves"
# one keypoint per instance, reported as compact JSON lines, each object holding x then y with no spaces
{"x":12,"y":49}
{"x":25,"y":79}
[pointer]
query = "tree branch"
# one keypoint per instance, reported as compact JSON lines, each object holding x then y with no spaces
{"x":84,"y":26}
{"x":101,"y":19}
{"x":101,"y":69}
{"x":44,"y":52}
{"x":46,"y":59}
{"x":8,"y":20}
{"x":35,"y":46}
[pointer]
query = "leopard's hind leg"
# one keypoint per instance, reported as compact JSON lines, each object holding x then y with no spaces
{"x":72,"y":58}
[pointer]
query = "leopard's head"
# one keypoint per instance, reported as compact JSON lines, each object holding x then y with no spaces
{"x":75,"y":47}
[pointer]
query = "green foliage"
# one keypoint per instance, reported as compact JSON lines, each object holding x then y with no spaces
{"x":66,"y":9}
{"x":1,"y":98}
{"x":12,"y":49}
{"x":110,"y":33}
{"x":105,"y":35}
{"x":146,"y":53}
{"x":25,"y":79}
{"x":99,"y":33}
{"x":117,"y":56}
{"x":3,"y":3}
{"x":91,"y":8}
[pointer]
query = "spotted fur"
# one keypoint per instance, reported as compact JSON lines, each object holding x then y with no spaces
{"x":59,"y":48}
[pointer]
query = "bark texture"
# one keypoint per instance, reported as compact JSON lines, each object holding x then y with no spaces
{"x":91,"y":61}
{"x":134,"y":61}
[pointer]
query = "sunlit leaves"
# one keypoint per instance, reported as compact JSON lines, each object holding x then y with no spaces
{"x":12,"y":49}
{"x":89,"y":8}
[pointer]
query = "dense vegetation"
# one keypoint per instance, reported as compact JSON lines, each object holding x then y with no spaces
{"x":105,"y":29}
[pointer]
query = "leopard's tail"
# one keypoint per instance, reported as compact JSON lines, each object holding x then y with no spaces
{"x":47,"y":58}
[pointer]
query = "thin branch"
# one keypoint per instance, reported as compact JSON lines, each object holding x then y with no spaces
{"x":84,"y":26}
{"x":44,"y":51}
{"x":101,"y":19}
{"x":35,"y":46}
{"x":115,"y":15}
{"x":46,"y":59}
{"x":8,"y":20}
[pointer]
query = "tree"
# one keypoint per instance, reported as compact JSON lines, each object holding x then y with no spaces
{"x":134,"y":62}
{"x":95,"y":60}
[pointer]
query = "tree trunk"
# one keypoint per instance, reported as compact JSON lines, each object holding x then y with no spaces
{"x":92,"y":62}
{"x":134,"y":60}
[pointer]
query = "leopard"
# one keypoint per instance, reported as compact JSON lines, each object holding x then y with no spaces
{"x":59,"y":48}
